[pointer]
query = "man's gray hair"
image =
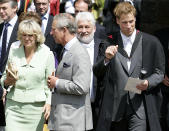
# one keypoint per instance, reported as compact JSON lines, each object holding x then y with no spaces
{"x":65,"y":20}
{"x":13,"y":2}
{"x":85,"y":16}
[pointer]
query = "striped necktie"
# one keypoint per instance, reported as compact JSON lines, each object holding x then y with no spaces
{"x":42,"y":27}
{"x":4,"y":40}
{"x":4,"y":45}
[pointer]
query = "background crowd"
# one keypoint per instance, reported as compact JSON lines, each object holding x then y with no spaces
{"x":66,"y":63}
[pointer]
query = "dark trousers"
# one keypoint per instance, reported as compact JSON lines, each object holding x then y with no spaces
{"x":131,"y":123}
{"x":164,"y":120}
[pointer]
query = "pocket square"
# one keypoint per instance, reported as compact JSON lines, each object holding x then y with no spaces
{"x":65,"y":65}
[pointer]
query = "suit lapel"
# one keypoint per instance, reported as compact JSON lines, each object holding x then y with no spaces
{"x":13,"y":35}
{"x":136,"y":55}
{"x":67,"y":58}
{"x":12,"y":38}
{"x":1,"y":28}
{"x":49,"y":25}
{"x":135,"y":44}
{"x":96,"y":48}
{"x":123,"y":61}
{"x":122,"y":55}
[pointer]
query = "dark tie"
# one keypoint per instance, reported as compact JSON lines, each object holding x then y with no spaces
{"x":42,"y":27}
{"x":61,"y":54}
{"x":4,"y":41}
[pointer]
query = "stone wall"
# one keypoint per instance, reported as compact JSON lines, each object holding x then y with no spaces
{"x":154,"y":15}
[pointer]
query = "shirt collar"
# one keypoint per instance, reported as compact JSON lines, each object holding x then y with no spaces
{"x":70,"y":43}
{"x":131,"y":37}
{"x":13,"y":21}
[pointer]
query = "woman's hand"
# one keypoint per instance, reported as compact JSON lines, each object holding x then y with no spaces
{"x":46,"y":110}
{"x":4,"y":95}
{"x":10,"y":80}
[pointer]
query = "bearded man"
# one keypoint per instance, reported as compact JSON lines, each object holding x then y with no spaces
{"x":86,"y":27}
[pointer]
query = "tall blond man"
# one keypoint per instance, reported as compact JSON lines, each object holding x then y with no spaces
{"x":131,"y":53}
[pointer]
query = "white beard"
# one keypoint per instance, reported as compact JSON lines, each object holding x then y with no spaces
{"x":86,"y":39}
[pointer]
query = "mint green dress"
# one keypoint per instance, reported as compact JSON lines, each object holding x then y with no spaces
{"x":25,"y":101}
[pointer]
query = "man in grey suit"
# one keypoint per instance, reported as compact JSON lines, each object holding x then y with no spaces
{"x":71,"y":108}
{"x":135,"y":54}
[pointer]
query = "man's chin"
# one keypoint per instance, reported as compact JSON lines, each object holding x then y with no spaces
{"x":3,"y":18}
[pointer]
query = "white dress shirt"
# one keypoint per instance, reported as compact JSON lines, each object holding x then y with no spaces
{"x":128,"y":43}
{"x":12,"y":23}
{"x":45,"y":21}
{"x":130,"y":1}
{"x":90,"y":49}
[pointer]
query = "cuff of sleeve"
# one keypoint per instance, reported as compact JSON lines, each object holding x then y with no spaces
{"x":57,"y":83}
{"x":106,"y":63}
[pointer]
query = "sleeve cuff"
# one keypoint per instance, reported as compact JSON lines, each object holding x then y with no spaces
{"x":56,"y":84}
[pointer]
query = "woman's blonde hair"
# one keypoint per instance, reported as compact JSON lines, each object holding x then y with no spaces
{"x":32,"y":28}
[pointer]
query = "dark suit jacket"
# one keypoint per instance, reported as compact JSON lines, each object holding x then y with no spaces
{"x":1,"y":92}
{"x":114,"y":97}
{"x":12,"y":39}
{"x":100,"y":31}
{"x":50,"y":42}
{"x":163,"y":35}
{"x":96,"y":50}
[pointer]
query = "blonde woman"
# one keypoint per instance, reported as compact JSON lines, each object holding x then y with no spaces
{"x":28,"y":101}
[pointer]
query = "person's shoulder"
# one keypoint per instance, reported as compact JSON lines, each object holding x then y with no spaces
{"x":148,"y":36}
{"x":78,"y":49}
{"x":44,"y":51}
{"x":151,"y":41}
{"x":50,"y":17}
{"x":78,"y":46}
{"x":99,"y":26}
{"x":15,"y":44}
{"x":44,"y":47}
{"x":16,"y":49}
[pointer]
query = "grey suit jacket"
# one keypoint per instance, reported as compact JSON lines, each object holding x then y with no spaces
{"x":71,"y":109}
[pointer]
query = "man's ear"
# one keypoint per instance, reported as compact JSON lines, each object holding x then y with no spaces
{"x":15,"y":9}
{"x":117,"y":21}
{"x":94,"y":28}
{"x":65,"y":29}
